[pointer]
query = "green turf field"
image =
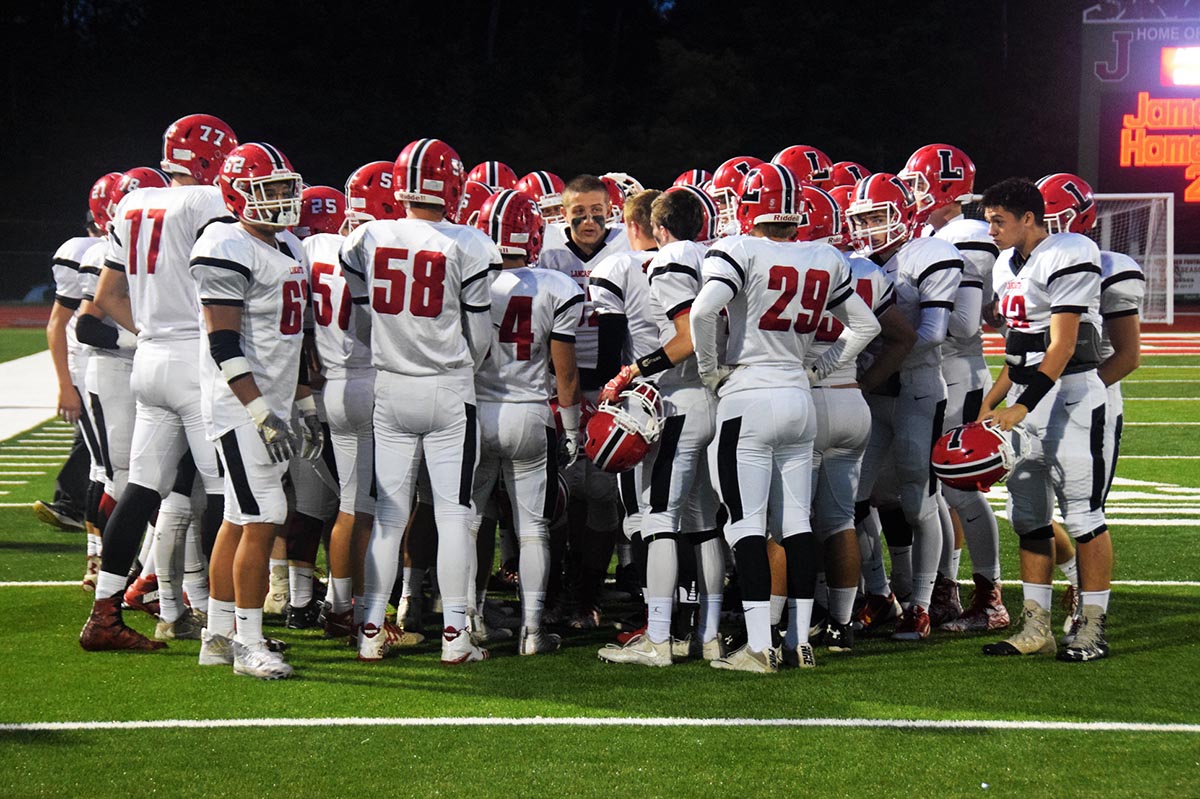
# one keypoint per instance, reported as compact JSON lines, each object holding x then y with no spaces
{"x":1153,"y":678}
{"x":18,"y":342}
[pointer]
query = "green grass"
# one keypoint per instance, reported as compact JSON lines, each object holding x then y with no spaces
{"x":18,"y":342}
{"x":1152,"y":677}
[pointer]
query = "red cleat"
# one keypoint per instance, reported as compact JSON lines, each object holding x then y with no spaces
{"x":143,"y":595}
{"x":106,"y":631}
{"x":913,"y":625}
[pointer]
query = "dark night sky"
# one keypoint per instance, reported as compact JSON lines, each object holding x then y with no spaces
{"x":594,"y":85}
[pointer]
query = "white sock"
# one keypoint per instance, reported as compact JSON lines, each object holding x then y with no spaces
{"x":413,"y":581}
{"x":533,"y":568}
{"x":710,"y":618}
{"x":926,"y":554}
{"x":170,"y":534}
{"x":300,"y":584}
{"x":1070,"y":570}
{"x":195,"y":568}
{"x":841,"y":604}
{"x":454,"y":613}
{"x":658,"y":619}
{"x":799,"y":620}
{"x":339,"y":594}
{"x":1037,"y":593}
{"x":93,"y":544}
{"x":249,"y":626}
{"x":374,"y":609}
{"x":146,"y":554}
{"x":758,"y":625}
{"x":221,"y":615}
{"x":870,"y":546}
{"x":1097,"y":598}
{"x":109,"y":585}
{"x":777,"y":604}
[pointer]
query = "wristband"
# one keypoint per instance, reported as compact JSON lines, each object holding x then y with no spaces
{"x":654,"y":363}
{"x":258,"y":409}
{"x":570,"y":417}
{"x":306,"y":405}
{"x":126,"y":339}
{"x":1039,"y":385}
{"x":234,"y":368}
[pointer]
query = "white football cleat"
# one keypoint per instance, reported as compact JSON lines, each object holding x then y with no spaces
{"x":215,"y":650}
{"x":640,"y":650}
{"x":536,"y":641}
{"x":256,"y":660}
{"x":458,"y":647}
{"x":746,"y":659}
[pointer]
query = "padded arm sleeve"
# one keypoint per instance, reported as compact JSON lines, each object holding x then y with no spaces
{"x":706,"y":313}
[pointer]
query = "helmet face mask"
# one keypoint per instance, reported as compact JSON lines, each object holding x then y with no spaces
{"x":260,"y":187}
{"x":880,"y":214}
{"x":977,"y":455}
{"x":620,"y":433}
{"x":726,"y":189}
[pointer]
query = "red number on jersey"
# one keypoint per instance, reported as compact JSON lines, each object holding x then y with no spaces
{"x":1012,"y":308}
{"x":831,"y":328}
{"x":390,"y":282}
{"x":813,"y":294}
{"x":591,"y":319}
{"x":156,"y":216}
{"x":322,"y":297}
{"x":293,"y":308}
{"x":517,"y":327}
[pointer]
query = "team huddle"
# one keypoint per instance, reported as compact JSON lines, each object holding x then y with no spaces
{"x":751,"y":382}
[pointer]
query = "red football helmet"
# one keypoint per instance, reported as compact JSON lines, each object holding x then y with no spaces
{"x":693,"y":177}
{"x":197,"y":145}
{"x":512,"y":220}
{"x":620,"y":434}
{"x":726,"y":188}
{"x":546,"y":189}
{"x":627,"y":183}
{"x":429,"y":171}
{"x":939,"y":174}
{"x":843,"y":196}
{"x":98,"y":199}
{"x":495,"y":175}
{"x":140,"y":177}
{"x":474,"y":195}
{"x":880,"y":193}
{"x":847,"y":173}
{"x":807,"y":163}
{"x":616,"y":199}
{"x":1070,"y":203}
{"x":249,"y":172}
{"x":322,"y":210}
{"x":370,"y":195}
{"x":821,"y":219}
{"x":770,"y":193}
{"x":708,"y":231}
{"x":976,"y":455}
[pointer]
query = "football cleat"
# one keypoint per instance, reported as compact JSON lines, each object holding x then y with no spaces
{"x":187,"y":626}
{"x":746,"y":659}
{"x":536,"y":641}
{"x":639,"y":650}
{"x":91,"y":572}
{"x":142,"y":595}
{"x":1070,"y":603}
{"x":303,"y":618}
{"x":1088,"y":642}
{"x":408,"y":613}
{"x":479,"y":629}
{"x":801,"y":657}
{"x":713,"y":649}
{"x":914,"y":625}
{"x":985,"y":612}
{"x":458,"y":647}
{"x":105,"y":630}
{"x":585,"y":618}
{"x":277,"y":593}
{"x":1034,"y":637}
{"x":685,"y":648}
{"x":257,"y":660}
{"x":945,"y":605}
{"x":56,"y":516}
{"x":876,"y":612}
{"x":338,"y":625}
{"x":215,"y":650}
{"x":372,"y":643}
{"x":397,"y":636}
{"x":839,"y":637}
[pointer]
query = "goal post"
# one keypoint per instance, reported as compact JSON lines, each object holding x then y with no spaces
{"x":1142,"y":226}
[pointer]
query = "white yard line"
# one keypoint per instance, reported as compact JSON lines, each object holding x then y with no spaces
{"x":542,"y":721}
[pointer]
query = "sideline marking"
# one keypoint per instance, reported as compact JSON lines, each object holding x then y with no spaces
{"x":540,"y":721}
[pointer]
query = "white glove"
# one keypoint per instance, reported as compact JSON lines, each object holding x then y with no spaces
{"x":569,"y":415}
{"x":713,"y":380}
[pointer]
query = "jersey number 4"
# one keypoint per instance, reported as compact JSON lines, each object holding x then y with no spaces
{"x":156,"y":217}
{"x":517,"y":326}
{"x":813,"y":294}
{"x":391,"y":282}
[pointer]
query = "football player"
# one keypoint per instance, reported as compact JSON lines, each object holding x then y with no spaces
{"x":774,"y":291}
{"x":427,"y":283}
{"x":906,"y":413}
{"x":536,"y":312}
{"x":146,"y":288}
{"x":251,"y":277}
{"x":1049,"y":289}
{"x":942,"y":178}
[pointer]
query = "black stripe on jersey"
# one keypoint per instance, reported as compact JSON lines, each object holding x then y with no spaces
{"x":607,"y":285}
{"x":972,"y":284}
{"x":568,"y":305}
{"x":939,"y":419}
{"x":1091,"y":269}
{"x":686,"y":305}
{"x":71,"y":303}
{"x":726,"y":281}
{"x":230,"y":303}
{"x":1119,"y":278}
{"x":727,"y":475}
{"x":1119,"y":314}
{"x":551,"y":474}
{"x":729,"y":259}
{"x":627,"y":491}
{"x":89,"y":430}
{"x":938,"y":267}
{"x":566,"y":338}
{"x":664,"y":461}
{"x":67,"y":262}
{"x":839,"y":299}
{"x":679,"y":269}
{"x":467,"y":475}
{"x":101,"y":433}
{"x":237,"y":473}
{"x":225,"y":220}
{"x":348,"y":268}
{"x":1099,"y":468}
{"x":482,"y":273}
{"x":476,"y":308}
{"x":360,"y":300}
{"x":286,"y":250}
{"x":1079,"y":309}
{"x":580,"y":254}
{"x":89,"y":270}
{"x":112,"y":234}
{"x":937,"y":304}
{"x":114,"y":265}
{"x":883,"y":306}
{"x":89,"y":297}
{"x":978,"y":246}
{"x":223,"y":263}
{"x":1112,"y":467}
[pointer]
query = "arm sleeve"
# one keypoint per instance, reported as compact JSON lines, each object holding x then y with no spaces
{"x":706,"y":313}
{"x":480,"y":266}
{"x":860,"y":329}
{"x":931,"y":331}
{"x":968,"y":310}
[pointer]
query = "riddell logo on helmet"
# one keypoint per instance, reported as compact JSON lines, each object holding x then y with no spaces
{"x":433,"y":185}
{"x":182,"y":155}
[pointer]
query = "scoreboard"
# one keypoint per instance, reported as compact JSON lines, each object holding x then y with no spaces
{"x":1139,"y":122}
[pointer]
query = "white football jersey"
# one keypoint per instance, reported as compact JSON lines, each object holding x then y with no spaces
{"x":530,"y":307}
{"x":978,"y":251}
{"x":618,"y":285}
{"x":333,"y":309}
{"x":420,"y":278}
{"x":151,"y":240}
{"x":68,"y":289}
{"x":925,"y":273}
{"x":876,"y":291}
{"x":270,"y":284}
{"x":572,"y":262}
{"x":1122,"y":290}
{"x":1062,"y":274}
{"x":89,"y":275}
{"x":781,"y":289}
{"x":674,"y":276}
